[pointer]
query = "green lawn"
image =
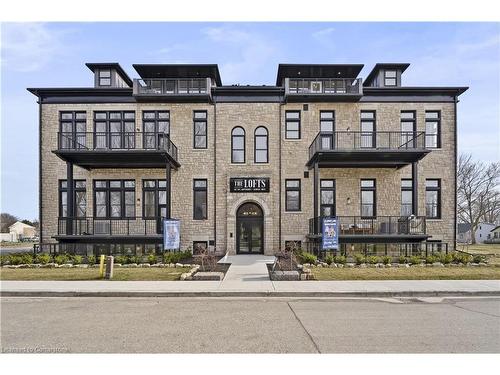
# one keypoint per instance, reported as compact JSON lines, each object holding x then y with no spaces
{"x":490,"y":251}
{"x":119,"y":274}
{"x":412,"y":273}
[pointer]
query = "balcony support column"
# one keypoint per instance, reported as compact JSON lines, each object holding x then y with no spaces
{"x":168,"y":171}
{"x":414,"y":185}
{"x":315,"y":199}
{"x":70,"y":199}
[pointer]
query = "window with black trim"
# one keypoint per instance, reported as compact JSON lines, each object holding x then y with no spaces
{"x":327,"y":197}
{"x":154,"y":198}
{"x":327,"y":127}
{"x":200,"y":199}
{"x":200,"y":129}
{"x":238,"y":145}
{"x":368,"y":128}
{"x":261,"y":144}
{"x":408,"y":128}
{"x":114,"y":129}
{"x":368,"y":198}
{"x":114,"y":198}
{"x":292,"y":125}
{"x":104,"y":77}
{"x":433,"y":129}
{"x":390,"y":78}
{"x":406,"y":197}
{"x":72,"y":129}
{"x":80,"y":198}
{"x":156,"y":128}
{"x":292,"y":195}
{"x":433,"y":198}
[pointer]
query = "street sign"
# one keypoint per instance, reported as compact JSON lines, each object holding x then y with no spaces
{"x":171,"y":234}
{"x":330,"y":233}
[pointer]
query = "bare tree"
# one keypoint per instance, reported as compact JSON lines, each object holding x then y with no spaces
{"x":6,"y":220}
{"x":477,"y":191}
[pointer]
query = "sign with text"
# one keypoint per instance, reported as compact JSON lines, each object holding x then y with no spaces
{"x":171,"y":234}
{"x":330,"y":233}
{"x":249,"y":184}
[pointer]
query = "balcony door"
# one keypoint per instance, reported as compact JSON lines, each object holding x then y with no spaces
{"x":327,"y":194}
{"x":327,"y":129}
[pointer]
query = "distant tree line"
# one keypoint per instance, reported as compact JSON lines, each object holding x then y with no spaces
{"x":6,"y":220}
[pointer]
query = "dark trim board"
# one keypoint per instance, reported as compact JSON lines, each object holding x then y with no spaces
{"x":377,"y":238}
{"x":96,"y":239}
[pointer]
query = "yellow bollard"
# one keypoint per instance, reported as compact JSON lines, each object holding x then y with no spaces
{"x":101,"y":266}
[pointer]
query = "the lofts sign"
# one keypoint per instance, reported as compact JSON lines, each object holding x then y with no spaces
{"x":249,"y":184}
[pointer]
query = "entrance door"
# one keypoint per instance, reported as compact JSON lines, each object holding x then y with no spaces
{"x":249,"y":229}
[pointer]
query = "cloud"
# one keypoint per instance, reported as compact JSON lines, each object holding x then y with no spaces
{"x":28,"y":47}
{"x":324,"y":34}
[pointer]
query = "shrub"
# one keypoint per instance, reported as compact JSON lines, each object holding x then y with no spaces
{"x":77,"y":259}
{"x":43,"y":258}
{"x":461,"y":258}
{"x":359,"y":259}
{"x":445,"y":258}
{"x":386,"y":260}
{"x":91,"y":259}
{"x":372,"y":259}
{"x":415,"y":260}
{"x":329,"y":259}
{"x":61,"y":259}
{"x":14,"y":259}
{"x":4,"y":259}
{"x":308,"y":258}
{"x":151,"y":259}
{"x":478,"y":258}
{"x":134,"y":259}
{"x":122,"y":259}
{"x":402,"y":259}
{"x":431,"y":259}
{"x":340,"y":259}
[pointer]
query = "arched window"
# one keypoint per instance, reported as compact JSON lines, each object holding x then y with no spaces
{"x":238,"y":145}
{"x":261,"y":141}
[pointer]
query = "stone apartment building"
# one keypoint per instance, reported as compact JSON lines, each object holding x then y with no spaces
{"x":247,"y":169}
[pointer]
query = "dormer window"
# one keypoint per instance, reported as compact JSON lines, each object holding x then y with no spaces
{"x":105,"y":77}
{"x":390,"y":78}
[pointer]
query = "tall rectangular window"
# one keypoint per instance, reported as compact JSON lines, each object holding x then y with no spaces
{"x":433,"y":129}
{"x":200,"y":199}
{"x":292,"y":195}
{"x":114,"y":198}
{"x":72,"y":129}
{"x":390,"y":78}
{"x":408,"y":128}
{"x":114,"y":129}
{"x":80,"y":198}
{"x":406,"y":197}
{"x":327,"y":127}
{"x":154,"y":198}
{"x":327,"y":197}
{"x":104,"y":77}
{"x":292,"y":124}
{"x":156,"y":129}
{"x":368,"y":129}
{"x":433,"y":198}
{"x":200,"y":129}
{"x":368,"y":198}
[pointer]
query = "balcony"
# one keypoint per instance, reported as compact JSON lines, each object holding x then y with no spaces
{"x":117,"y":149}
{"x":93,"y":229}
{"x":356,"y":149}
{"x":374,"y":229}
{"x":197,"y":89}
{"x":344,"y":89}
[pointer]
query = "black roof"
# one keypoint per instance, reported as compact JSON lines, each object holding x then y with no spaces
{"x":317,"y":71}
{"x":179,"y":71}
{"x":119,"y":70}
{"x":378,"y":66}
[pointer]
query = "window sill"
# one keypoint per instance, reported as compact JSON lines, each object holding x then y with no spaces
{"x":292,"y":139}
{"x":292,"y":212}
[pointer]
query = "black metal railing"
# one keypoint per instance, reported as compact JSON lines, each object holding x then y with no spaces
{"x":92,"y":226}
{"x":171,"y":86}
{"x":324,"y":86}
{"x":379,"y":225}
{"x":105,"y":141}
{"x":359,"y":140}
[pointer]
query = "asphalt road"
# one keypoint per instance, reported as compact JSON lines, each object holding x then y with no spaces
{"x":257,"y":325}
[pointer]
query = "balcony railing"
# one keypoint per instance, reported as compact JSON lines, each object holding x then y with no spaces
{"x":379,"y":225}
{"x":170,"y":86}
{"x":118,"y":141}
{"x":93,"y":226}
{"x":322,"y":86}
{"x":358,"y":140}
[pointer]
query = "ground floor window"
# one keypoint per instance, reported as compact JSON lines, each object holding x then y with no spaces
{"x":199,"y":246}
{"x":293,"y":245}
{"x":200,"y":199}
{"x":292,"y":195}
{"x":79,"y":201}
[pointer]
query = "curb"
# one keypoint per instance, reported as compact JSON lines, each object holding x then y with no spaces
{"x":375,"y":294}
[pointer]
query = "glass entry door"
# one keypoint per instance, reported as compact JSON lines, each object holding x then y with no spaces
{"x":249,"y":229}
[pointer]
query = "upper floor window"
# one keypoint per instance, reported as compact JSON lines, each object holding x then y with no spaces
{"x":368,"y":198}
{"x":292,"y":195}
{"x":114,"y":198}
{"x":238,"y":145}
{"x":79,"y":201}
{"x":390,"y":78}
{"x":104,"y":77}
{"x":156,"y":127}
{"x":292,"y":124}
{"x":433,"y":198}
{"x":408,"y":127}
{"x":200,"y":129}
{"x":406,"y":197}
{"x":261,"y":141}
{"x":433,"y":129}
{"x":368,"y":128}
{"x":154,"y":198}
{"x":114,"y":129}
{"x":72,"y":127}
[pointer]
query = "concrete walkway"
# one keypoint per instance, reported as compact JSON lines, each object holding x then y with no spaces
{"x":247,"y":273}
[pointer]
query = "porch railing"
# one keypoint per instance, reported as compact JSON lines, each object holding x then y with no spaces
{"x":91,"y":226}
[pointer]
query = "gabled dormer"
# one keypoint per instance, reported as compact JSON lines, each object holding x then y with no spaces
{"x":386,"y":75}
{"x":109,"y":75}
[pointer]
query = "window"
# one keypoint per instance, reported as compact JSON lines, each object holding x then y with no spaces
{"x":156,"y":128}
{"x":292,"y":195}
{"x":327,"y":197}
{"x":261,"y":141}
{"x":114,"y":199}
{"x":368,"y":198}
{"x":80,"y":198}
{"x":408,"y":128}
{"x":115,"y":130}
{"x":238,"y":145}
{"x":104,"y":77}
{"x":368,"y":128}
{"x":433,"y":129}
{"x":200,"y":129}
{"x":72,"y":128}
{"x":327,"y":127}
{"x":154,"y":198}
{"x":433,"y":198}
{"x":390,"y":78}
{"x":406,"y":197}
{"x":292,"y":124}
{"x":199,"y":246}
{"x":293,"y":245}
{"x":200,"y":199}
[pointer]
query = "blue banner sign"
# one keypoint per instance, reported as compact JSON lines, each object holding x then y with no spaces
{"x":171,"y":234}
{"x":330,"y":233}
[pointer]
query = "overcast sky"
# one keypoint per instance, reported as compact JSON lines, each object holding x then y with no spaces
{"x":53,"y":55}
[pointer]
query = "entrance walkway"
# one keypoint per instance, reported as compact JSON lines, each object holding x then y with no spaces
{"x":247,"y":272}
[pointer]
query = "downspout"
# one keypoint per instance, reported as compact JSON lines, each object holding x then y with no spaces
{"x":40,"y":170}
{"x":456,"y":178}
{"x":215,"y":172}
{"x":280,"y":176}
